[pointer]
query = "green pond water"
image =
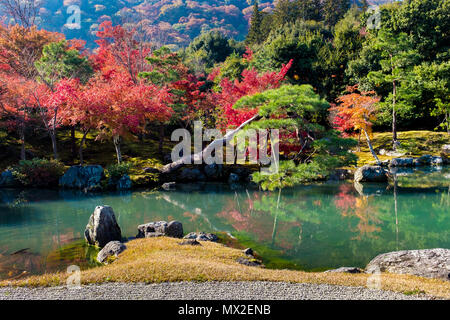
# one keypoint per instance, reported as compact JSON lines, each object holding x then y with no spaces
{"x":316,"y":227}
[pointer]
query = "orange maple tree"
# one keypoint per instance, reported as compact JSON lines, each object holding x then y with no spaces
{"x":355,"y":113}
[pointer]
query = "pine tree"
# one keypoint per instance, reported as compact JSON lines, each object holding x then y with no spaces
{"x":334,"y":10}
{"x":255,"y":34}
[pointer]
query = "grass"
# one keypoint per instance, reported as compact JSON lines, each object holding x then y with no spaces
{"x":412,"y":143}
{"x":163,"y":259}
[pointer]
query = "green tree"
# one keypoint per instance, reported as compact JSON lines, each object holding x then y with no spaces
{"x":255,"y":33}
{"x":211,"y":48}
{"x":398,"y":59}
{"x":57,"y":62}
{"x":334,"y":10}
{"x":432,"y":81}
{"x":297,"y":108}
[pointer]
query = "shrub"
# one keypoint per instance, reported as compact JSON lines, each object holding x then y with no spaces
{"x":116,"y":171}
{"x":38,"y":172}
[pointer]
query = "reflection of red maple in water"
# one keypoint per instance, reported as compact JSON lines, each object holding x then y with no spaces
{"x":345,"y":200}
{"x":359,"y":207}
{"x":257,"y":223}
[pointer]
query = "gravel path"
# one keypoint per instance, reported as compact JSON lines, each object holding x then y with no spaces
{"x":204,"y":291}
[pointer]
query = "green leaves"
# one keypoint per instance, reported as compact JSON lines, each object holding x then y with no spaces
{"x":297,"y":101}
{"x":57,"y":62}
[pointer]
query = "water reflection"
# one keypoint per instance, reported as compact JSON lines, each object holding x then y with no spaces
{"x":311,"y":227}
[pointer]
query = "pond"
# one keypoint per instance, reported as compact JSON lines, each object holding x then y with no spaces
{"x":316,"y":227}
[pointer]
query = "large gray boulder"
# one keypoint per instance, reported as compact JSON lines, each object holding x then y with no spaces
{"x":428,"y":160}
{"x":120,"y":184}
{"x":402,"y":162}
{"x":79,"y":177}
{"x":7,"y":180}
{"x":213,"y":171}
{"x":371,"y":174}
{"x":202,"y":236}
{"x":102,"y":227}
{"x":172,"y":229}
{"x":190,"y":175}
{"x":445,"y":153}
{"x":430,"y":263}
{"x":112,"y":248}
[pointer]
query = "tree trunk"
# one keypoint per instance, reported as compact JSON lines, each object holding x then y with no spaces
{"x":371,"y":148}
{"x":168,"y":168}
{"x":80,"y":152}
{"x":394,"y":116}
{"x":117,"y":141}
{"x":54,"y":145}
{"x":22,"y":141}
{"x":161,"y":139}
{"x":73,"y":144}
{"x":359,"y":141}
{"x":275,"y":221}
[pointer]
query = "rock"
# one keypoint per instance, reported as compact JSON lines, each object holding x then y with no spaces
{"x":7,"y":180}
{"x":102,"y":227}
{"x":112,"y":248}
{"x":347,"y":270}
{"x":189,"y":175}
{"x":79,"y":177}
{"x":445,"y":153}
{"x":437,"y":161}
{"x":202,"y":236}
{"x":341,"y":174}
{"x":151,"y":170}
{"x":249,"y":262}
{"x":248,"y":251}
{"x":402,"y":162}
{"x":213,"y":171}
{"x":430,"y":263}
{"x":233,"y":178}
{"x":124,"y":183}
{"x":190,"y":242}
{"x":172,"y":229}
{"x":428,"y":160}
{"x":167,"y":158}
{"x":169,"y":186}
{"x":382,"y":152}
{"x":371,"y":174}
{"x":394,"y":154}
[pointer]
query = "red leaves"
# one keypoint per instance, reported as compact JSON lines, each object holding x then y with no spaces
{"x":252,"y":82}
{"x":355,"y":111}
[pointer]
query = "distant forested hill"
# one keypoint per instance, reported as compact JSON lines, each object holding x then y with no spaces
{"x":174,"y":22}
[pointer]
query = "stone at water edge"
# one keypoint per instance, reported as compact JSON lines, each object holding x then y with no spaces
{"x":213,"y":171}
{"x":402,"y":162}
{"x":202,"y":236}
{"x":429,"y":263}
{"x":371,"y":174}
{"x":7,"y":180}
{"x":112,"y":248}
{"x":346,"y":270}
{"x":82,"y":177}
{"x":172,"y":229}
{"x":233,"y":178}
{"x":445,"y":153}
{"x":102,"y":227}
{"x":169,"y":186}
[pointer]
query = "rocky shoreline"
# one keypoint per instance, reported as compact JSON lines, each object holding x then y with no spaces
{"x":104,"y":232}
